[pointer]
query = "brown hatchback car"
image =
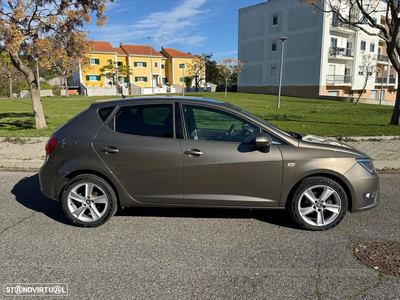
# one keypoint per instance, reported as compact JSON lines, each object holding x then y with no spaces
{"x":170,"y":152}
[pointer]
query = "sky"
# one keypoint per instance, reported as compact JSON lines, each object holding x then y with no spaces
{"x":195,"y":26}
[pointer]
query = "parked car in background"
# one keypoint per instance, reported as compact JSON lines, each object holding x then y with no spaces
{"x":221,"y":88}
{"x":192,"y":152}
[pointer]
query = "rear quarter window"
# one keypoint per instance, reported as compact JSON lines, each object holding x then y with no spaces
{"x":105,"y":112}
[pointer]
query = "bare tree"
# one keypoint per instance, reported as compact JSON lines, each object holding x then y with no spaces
{"x":197,"y":69}
{"x":28,"y":22}
{"x":7,"y":70}
{"x":64,"y":53}
{"x":362,"y":15}
{"x":116,"y":73}
{"x":228,"y":67}
{"x":368,"y":68}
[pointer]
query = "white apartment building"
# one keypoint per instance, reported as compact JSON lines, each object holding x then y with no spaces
{"x":322,"y":56}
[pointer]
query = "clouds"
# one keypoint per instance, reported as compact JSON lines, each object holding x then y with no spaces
{"x":179,"y":25}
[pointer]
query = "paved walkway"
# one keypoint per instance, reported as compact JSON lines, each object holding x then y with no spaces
{"x":28,"y":153}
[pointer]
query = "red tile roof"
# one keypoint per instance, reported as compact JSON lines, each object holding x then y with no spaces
{"x":175,"y":53}
{"x":119,"y":51}
{"x":103,"y":47}
{"x":139,"y":50}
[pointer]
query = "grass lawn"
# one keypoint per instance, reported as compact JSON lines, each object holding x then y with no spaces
{"x":319,"y":117}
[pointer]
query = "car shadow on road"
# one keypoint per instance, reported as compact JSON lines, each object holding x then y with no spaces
{"x":27,"y":192}
{"x":275,"y":217}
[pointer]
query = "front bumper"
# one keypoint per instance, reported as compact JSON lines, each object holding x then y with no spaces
{"x":364,"y":188}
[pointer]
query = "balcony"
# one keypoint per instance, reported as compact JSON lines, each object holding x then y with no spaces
{"x":384,"y":80}
{"x":340,"y":26}
{"x":383,"y":58}
{"x":338,"y":52}
{"x":339,"y":79}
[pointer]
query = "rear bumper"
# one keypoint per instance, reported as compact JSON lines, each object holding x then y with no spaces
{"x":48,"y":179}
{"x":365,"y":188}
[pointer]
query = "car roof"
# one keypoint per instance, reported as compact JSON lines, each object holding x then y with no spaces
{"x":125,"y":101}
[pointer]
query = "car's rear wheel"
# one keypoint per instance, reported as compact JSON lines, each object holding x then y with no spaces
{"x":89,"y":201}
{"x":318,"y":203}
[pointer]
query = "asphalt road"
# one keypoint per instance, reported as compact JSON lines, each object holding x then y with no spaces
{"x":190,"y":254}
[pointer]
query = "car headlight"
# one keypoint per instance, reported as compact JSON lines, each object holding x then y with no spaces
{"x":367,"y":164}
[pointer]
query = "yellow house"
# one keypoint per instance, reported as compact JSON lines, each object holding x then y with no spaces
{"x":148,"y":66}
{"x":100,"y":56}
{"x":177,"y":63}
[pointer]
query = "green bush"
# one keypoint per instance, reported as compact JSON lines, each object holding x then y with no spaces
{"x":45,"y":86}
{"x":57,"y":90}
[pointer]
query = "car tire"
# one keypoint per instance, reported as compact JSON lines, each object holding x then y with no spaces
{"x":89,"y":201}
{"x":318,"y":203}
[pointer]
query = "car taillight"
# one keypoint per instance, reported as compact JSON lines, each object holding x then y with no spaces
{"x":51,"y":143}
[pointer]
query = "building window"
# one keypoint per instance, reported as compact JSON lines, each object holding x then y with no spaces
{"x":181,"y":79}
{"x":275,"y":20}
{"x":360,"y":70}
{"x":273,"y":71}
{"x":181,"y":66}
{"x":371,"y":47}
{"x":163,"y":67}
{"x":120,"y":63}
{"x":274,"y":46}
{"x":93,"y":78}
{"x":140,"y":79}
{"x":363,"y":45}
{"x":155,"y":65}
{"x":94,"y":61}
{"x":140,"y":64}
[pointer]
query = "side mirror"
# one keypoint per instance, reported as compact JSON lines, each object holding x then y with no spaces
{"x":263,"y":142}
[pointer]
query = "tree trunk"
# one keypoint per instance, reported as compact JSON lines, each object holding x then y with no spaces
{"x":362,"y":91}
{"x":66,"y":85}
{"x":11,"y":91}
{"x":396,"y":110}
{"x":40,"y":120}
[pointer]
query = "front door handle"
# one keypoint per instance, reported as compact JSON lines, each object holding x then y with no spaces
{"x":194,"y":152}
{"x":109,"y":149}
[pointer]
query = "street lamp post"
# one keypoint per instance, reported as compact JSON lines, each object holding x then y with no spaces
{"x":381,"y":91}
{"x":283,"y":39}
{"x":151,"y":68}
{"x":183,"y":83}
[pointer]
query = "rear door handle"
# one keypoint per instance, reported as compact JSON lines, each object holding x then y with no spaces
{"x":194,"y":152}
{"x":109,"y":149}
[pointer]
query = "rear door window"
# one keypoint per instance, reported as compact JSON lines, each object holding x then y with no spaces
{"x":155,"y":120}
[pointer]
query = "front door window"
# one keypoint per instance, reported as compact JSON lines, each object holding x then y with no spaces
{"x":209,"y":124}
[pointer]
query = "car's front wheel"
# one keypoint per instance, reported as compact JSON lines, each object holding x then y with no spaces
{"x":318,"y":203}
{"x":89,"y":201}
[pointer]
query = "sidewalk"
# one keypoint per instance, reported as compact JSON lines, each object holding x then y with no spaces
{"x":29,"y":153}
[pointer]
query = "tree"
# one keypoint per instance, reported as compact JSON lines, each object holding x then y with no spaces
{"x":27,"y":22}
{"x":116,"y":73}
{"x":362,"y":15}
{"x":8,"y":71}
{"x":212,"y":71}
{"x":64,"y":53}
{"x":197,"y":68}
{"x":368,"y":68}
{"x":228,"y":67}
{"x":188,"y":81}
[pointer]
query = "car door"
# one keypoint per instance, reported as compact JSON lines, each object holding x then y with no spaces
{"x":222,"y":165}
{"x":140,"y":149}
